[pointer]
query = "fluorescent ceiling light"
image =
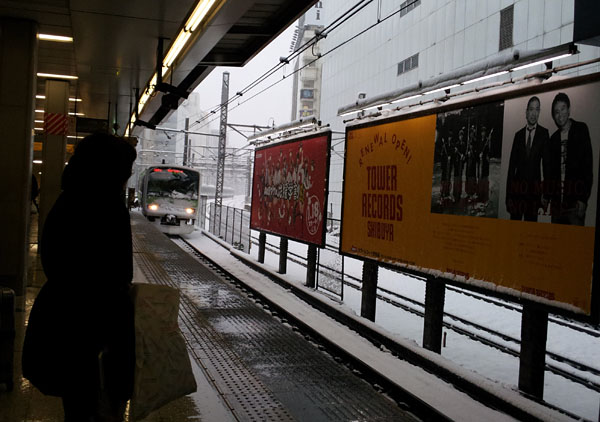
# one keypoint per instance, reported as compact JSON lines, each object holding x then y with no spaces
{"x":39,"y":128}
{"x":406,"y":98}
{"x":550,"y":59}
{"x":37,"y":161}
{"x":175,"y":49}
{"x":372,"y":107}
{"x":58,"y":38}
{"x":481,"y":78}
{"x":43,"y":97}
{"x":348,"y":113}
{"x":76,"y":114}
{"x":56,"y":76}
{"x":74,"y":137}
{"x":441,"y":89}
{"x":39,"y":111}
{"x":199,"y":13}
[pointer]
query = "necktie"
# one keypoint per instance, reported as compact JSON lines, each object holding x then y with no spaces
{"x":529,"y":139}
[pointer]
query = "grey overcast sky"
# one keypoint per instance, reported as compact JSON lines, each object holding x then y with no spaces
{"x":272,"y":105}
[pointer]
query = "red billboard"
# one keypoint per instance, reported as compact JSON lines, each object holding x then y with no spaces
{"x":289,"y":189}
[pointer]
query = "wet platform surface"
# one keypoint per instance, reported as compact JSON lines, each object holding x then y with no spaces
{"x":259,"y":365}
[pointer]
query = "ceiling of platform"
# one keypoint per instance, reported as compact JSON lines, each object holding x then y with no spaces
{"x":115,"y":42}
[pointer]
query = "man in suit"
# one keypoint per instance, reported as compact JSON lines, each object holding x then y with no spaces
{"x":524,"y":181}
{"x":568,"y":166}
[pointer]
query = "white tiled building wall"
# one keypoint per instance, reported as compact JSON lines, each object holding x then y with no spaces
{"x":447,"y":35}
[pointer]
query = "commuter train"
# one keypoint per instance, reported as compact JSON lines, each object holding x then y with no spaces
{"x":169,"y":197}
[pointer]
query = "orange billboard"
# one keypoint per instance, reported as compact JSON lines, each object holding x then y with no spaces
{"x":500,"y":195}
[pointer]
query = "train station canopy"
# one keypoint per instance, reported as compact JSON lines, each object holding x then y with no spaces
{"x":115,"y":46}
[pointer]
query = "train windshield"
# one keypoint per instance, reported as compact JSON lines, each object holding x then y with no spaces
{"x":173,"y":183}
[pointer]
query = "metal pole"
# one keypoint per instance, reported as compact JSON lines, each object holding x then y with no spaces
{"x":262,"y":241}
{"x":186,"y":143}
{"x":311,"y":263}
{"x":369,"y":290}
{"x":283,"y":252}
{"x":226,"y":222}
{"x":532,"y":360}
{"x":435,"y":292}
{"x":222,"y":147}
{"x":342,"y":293}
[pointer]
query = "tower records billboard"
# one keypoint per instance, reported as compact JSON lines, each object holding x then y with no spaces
{"x":290,"y":186}
{"x":500,"y":193}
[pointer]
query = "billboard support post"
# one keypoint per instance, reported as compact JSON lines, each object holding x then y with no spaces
{"x":283,"y":252}
{"x":369,"y":290}
{"x":435,"y":292}
{"x":532,"y":363}
{"x":262,"y":241}
{"x":311,"y":265}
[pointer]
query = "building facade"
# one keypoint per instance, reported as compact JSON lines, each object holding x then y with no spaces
{"x":416,"y":40}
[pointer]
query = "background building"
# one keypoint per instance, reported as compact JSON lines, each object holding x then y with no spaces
{"x":415,"y":40}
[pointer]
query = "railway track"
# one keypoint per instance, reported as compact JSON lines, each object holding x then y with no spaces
{"x":509,"y":345}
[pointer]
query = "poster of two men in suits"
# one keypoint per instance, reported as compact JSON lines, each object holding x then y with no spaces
{"x":543,"y":158}
{"x":550,"y":170}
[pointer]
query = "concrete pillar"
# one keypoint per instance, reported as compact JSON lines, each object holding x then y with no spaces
{"x":18,"y":52}
{"x":435,"y":292}
{"x":369,"y":290}
{"x":55,"y":144}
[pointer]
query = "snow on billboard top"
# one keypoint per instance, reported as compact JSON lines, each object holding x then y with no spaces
{"x":499,"y":193}
{"x":289,"y":189}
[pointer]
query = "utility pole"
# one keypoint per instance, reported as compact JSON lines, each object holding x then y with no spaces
{"x":186,"y":143}
{"x":221,"y":155}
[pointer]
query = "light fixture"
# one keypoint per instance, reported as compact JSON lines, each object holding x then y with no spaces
{"x":38,"y":121}
{"x":550,"y":59}
{"x":296,"y":124}
{"x":37,"y":161}
{"x":76,"y":114}
{"x":412,"y":97}
{"x":56,"y":76}
{"x":39,"y":111}
{"x":38,"y":128}
{"x":198,"y":14}
{"x":57,"y":38}
{"x":43,"y":97}
{"x":481,"y":78}
{"x":74,"y":137}
{"x":433,"y":91}
{"x":177,"y":46}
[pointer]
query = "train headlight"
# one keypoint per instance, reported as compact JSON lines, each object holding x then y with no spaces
{"x":153,"y":207}
{"x":190,"y":210}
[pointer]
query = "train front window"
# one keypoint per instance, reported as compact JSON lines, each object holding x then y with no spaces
{"x":173,"y":183}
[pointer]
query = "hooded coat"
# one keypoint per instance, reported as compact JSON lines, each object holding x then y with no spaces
{"x":80,"y":330}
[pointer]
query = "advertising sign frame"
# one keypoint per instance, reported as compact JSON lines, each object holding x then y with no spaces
{"x":323,"y":208}
{"x":489,"y":288}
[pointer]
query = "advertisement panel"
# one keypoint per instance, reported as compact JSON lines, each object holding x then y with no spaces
{"x":290,"y":186}
{"x":501,"y":195}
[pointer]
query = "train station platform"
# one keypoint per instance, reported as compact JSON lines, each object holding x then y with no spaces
{"x":257,"y":353}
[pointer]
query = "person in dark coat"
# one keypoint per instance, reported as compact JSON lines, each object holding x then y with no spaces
{"x":79,"y":343}
{"x":35,"y":191}
{"x":568,"y":166}
{"x":524,"y":179}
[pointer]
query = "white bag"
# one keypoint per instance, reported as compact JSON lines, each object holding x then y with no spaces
{"x":163,"y":371}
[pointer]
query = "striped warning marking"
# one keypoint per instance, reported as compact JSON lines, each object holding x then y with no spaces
{"x":55,"y":123}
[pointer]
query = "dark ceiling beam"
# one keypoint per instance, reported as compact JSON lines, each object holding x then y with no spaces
{"x":255,"y":31}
